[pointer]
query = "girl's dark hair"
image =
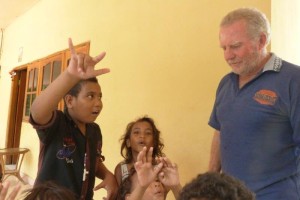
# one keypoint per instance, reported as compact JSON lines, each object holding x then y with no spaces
{"x":126,"y":186}
{"x":74,"y":91}
{"x":51,"y":191}
{"x":157,"y":142}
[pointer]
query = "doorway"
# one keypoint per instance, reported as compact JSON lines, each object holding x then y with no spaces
{"x":16,"y":108}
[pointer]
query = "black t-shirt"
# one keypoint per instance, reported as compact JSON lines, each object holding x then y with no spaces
{"x":62,"y":152}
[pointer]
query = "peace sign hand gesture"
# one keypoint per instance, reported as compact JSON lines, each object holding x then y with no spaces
{"x":147,"y":173}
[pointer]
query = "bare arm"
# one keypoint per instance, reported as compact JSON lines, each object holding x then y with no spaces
{"x":215,"y":157}
{"x":80,"y":67}
{"x":109,"y":181}
{"x":118,"y":174}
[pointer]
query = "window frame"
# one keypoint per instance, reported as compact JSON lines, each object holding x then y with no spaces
{"x":39,"y":64}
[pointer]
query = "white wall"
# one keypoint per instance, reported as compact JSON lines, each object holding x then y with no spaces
{"x":285,"y":23}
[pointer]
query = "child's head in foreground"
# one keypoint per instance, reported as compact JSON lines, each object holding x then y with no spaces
{"x":215,"y":186}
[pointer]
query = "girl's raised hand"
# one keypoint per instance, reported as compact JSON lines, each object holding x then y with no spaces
{"x":169,"y":175}
{"x":146,"y":172}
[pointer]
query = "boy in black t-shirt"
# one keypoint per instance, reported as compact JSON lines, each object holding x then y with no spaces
{"x":71,"y":142}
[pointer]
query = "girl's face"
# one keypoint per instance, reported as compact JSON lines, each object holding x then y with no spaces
{"x":141,"y":135}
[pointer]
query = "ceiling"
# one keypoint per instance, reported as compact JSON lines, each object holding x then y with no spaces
{"x":11,"y":9}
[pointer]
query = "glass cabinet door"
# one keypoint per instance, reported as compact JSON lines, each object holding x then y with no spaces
{"x":32,"y":82}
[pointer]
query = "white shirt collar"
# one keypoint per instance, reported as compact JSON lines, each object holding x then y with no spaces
{"x":273,"y":64}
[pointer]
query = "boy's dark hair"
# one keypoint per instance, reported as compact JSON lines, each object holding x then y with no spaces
{"x":215,"y":186}
{"x":51,"y":191}
{"x":157,"y":143}
{"x":74,"y":91}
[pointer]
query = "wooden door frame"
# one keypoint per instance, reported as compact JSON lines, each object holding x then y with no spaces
{"x":15,"y":113}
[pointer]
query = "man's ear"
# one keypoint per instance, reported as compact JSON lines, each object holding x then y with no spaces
{"x":68,"y":100}
{"x":262,"y":41}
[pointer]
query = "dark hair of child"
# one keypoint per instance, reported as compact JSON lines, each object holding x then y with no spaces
{"x":74,"y":91}
{"x":126,"y":186}
{"x":157,"y":143}
{"x":217,"y":186}
{"x":49,"y":190}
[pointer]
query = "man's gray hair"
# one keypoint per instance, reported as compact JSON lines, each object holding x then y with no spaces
{"x":256,"y":21}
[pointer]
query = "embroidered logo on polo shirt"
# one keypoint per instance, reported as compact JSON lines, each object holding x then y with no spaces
{"x":67,"y":149}
{"x":265,"y":97}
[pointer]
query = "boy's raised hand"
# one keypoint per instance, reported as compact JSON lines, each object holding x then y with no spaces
{"x":82,"y":66}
